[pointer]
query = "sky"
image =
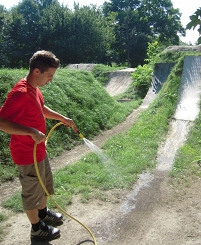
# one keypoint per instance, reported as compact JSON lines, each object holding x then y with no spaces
{"x":187,"y":8}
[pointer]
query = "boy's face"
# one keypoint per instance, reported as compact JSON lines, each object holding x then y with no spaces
{"x":45,"y":77}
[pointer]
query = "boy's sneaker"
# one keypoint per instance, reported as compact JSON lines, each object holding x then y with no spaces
{"x":45,"y":232}
{"x":52,"y":217}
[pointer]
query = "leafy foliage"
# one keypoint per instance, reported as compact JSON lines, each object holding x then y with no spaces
{"x":142,"y":77}
{"x":140,"y":22}
{"x":195,"y":21}
{"x":82,"y":35}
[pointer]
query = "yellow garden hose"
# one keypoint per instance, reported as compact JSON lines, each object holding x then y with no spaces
{"x":44,"y":188}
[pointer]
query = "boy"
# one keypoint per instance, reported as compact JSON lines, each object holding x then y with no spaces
{"x":25,"y":106}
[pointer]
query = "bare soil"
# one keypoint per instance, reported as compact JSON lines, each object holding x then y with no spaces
{"x":153,"y":212}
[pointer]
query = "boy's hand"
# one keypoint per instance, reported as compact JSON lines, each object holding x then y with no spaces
{"x":38,"y":136}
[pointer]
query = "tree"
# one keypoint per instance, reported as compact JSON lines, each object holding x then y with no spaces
{"x":141,"y":21}
{"x":163,"y":20}
{"x":53,"y":21}
{"x":82,"y":35}
{"x":21,"y":31}
{"x":195,"y":21}
{"x":3,"y":57}
{"x":91,"y":35}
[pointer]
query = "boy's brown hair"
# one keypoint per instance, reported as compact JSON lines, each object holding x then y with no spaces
{"x":43,"y":60}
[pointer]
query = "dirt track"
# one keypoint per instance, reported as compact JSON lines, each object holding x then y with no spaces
{"x":152,"y":213}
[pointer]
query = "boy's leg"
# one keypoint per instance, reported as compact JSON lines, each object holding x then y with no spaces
{"x":33,"y":200}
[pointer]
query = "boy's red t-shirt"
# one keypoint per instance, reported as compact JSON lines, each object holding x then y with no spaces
{"x":24,"y":105}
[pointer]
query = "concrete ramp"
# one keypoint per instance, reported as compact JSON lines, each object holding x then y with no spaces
{"x":187,"y":110}
{"x":119,"y":81}
{"x":160,"y":75}
{"x":190,"y":90}
{"x":86,"y":67}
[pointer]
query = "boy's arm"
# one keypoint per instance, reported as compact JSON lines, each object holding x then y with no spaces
{"x":49,"y":113}
{"x":14,"y":128}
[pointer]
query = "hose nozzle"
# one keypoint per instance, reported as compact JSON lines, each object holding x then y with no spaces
{"x":80,"y":135}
